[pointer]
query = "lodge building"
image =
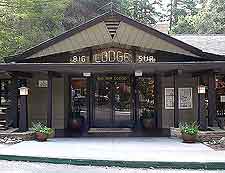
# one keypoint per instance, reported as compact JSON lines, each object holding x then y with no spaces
{"x":111,"y":71}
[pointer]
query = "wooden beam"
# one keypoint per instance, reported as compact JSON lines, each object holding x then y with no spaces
{"x":211,"y":98}
{"x":50,"y":93}
{"x":20,"y":74}
{"x":23,"y":118}
{"x":201,"y":108}
{"x":200,"y":73}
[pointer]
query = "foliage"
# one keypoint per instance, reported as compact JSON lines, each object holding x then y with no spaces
{"x":41,"y":128}
{"x":189,"y":128}
{"x":145,"y":11}
{"x":25,"y":23}
{"x":146,"y":114}
{"x":209,"y":20}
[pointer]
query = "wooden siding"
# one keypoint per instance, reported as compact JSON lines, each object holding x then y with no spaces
{"x":98,"y":34}
{"x":38,"y":102}
{"x":93,"y":36}
{"x":184,"y":81}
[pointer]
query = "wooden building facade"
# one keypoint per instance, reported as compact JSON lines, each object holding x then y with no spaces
{"x":113,"y":70}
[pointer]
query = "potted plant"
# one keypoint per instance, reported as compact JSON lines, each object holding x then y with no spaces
{"x":148,"y":119}
{"x":77,"y":120}
{"x":42,"y":131}
{"x":189,"y":132}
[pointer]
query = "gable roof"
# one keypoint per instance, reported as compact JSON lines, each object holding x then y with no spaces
{"x":214,"y":44}
{"x":168,"y":41}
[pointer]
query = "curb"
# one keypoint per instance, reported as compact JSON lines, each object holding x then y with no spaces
{"x":127,"y":164}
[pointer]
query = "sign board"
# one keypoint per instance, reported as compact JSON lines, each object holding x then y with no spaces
{"x":112,"y":55}
{"x":79,"y":59}
{"x":113,"y":78}
{"x":42,"y":83}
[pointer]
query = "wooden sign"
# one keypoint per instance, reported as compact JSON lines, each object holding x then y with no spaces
{"x":112,"y":55}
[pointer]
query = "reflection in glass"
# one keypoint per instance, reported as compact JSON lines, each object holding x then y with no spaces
{"x":103,"y":103}
{"x":122,"y":99}
{"x":146,"y":95}
{"x":79,"y":96}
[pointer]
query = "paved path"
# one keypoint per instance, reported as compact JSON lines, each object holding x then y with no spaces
{"x":122,"y":149}
{"x":23,"y":167}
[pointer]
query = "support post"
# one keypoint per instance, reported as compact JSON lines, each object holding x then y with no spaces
{"x":176,"y":100}
{"x":211,"y":98}
{"x":158,"y":101}
{"x":201,"y":108}
{"x":49,"y":114}
{"x":13,"y":97}
{"x":23,"y":119}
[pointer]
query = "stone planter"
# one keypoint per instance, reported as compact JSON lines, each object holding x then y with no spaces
{"x":41,"y":137}
{"x":189,"y":138}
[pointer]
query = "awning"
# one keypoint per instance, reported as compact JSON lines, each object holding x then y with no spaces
{"x":217,"y":66}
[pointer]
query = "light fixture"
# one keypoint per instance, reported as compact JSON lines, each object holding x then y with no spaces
{"x":86,"y":74}
{"x":24,"y":91}
{"x":222,"y":99}
{"x":201,"y":89}
{"x":138,"y":73}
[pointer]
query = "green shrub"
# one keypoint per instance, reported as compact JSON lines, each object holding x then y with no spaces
{"x":41,"y":128}
{"x":189,"y":128}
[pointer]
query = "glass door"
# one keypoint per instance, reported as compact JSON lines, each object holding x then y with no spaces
{"x":79,"y":102}
{"x":112,"y":102}
{"x":122,"y":104}
{"x":103,"y":104}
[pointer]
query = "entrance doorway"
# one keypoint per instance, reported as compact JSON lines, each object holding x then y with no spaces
{"x":112,"y":102}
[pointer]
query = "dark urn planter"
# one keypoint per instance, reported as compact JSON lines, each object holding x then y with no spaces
{"x":76,"y":121}
{"x":148,"y":123}
{"x":41,"y":137}
{"x":189,"y":138}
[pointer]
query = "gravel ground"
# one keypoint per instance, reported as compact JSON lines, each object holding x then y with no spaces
{"x":25,"y":167}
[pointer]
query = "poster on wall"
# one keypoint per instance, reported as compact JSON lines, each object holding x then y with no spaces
{"x":43,"y":83}
{"x":185,"y":98}
{"x":169,"y":98}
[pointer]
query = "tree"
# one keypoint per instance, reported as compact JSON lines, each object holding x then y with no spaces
{"x":181,"y":8}
{"x":146,"y":11}
{"x":209,"y":20}
{"x":26,"y":23}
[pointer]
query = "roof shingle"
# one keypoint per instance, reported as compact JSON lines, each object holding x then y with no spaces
{"x":207,"y":43}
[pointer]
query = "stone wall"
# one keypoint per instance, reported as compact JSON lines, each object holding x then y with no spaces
{"x":25,"y":136}
{"x":203,"y":136}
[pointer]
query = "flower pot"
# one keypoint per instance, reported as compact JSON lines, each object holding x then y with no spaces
{"x":148,"y":123}
{"x":52,"y":135}
{"x":41,"y":137}
{"x":189,"y":138}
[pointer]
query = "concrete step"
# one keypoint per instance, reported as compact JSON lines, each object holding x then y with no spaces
{"x":110,"y":130}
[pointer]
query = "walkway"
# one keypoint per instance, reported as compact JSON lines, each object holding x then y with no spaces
{"x":118,"y":149}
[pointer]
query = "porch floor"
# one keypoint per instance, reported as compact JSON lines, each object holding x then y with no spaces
{"x":121,"y":149}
